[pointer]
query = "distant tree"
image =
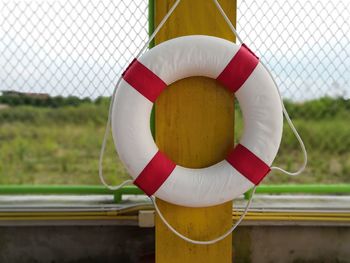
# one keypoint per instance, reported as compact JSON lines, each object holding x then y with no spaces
{"x":57,"y":101}
{"x":102,"y":100}
{"x":71,"y":101}
{"x":99,"y":100}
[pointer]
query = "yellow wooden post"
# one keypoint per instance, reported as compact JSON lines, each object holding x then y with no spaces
{"x":194,"y":127}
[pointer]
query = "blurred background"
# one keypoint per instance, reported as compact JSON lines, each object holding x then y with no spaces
{"x":60,"y":60}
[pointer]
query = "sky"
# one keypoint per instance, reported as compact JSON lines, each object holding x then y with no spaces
{"x":80,"y":47}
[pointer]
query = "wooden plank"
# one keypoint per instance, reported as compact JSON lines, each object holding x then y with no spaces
{"x":194,"y":127}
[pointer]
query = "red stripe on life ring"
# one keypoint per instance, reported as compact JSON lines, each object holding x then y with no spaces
{"x":144,"y":80}
{"x":155,"y":173}
{"x":248,"y":164}
{"x":238,"y":69}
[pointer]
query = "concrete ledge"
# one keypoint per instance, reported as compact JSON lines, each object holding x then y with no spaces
{"x":72,"y":229}
{"x":261,"y":244}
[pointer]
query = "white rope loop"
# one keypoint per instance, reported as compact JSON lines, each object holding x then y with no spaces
{"x":285,"y":112}
{"x":208,"y":242}
{"x":289,"y":121}
{"x":294,"y":130}
{"x":108,"y":125}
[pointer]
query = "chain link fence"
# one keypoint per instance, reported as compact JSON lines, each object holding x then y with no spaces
{"x":68,"y":47}
{"x":51,"y":50}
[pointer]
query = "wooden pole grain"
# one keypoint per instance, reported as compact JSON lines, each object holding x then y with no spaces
{"x":195,"y":128}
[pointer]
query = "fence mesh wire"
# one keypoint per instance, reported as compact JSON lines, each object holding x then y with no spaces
{"x":69,"y":47}
{"x":73,"y":47}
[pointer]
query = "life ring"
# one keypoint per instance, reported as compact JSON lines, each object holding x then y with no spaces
{"x":237,"y":69}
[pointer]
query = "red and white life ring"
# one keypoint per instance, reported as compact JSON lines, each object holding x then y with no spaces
{"x":236,"y":68}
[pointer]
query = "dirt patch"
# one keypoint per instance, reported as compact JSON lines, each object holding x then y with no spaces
{"x":4,"y":106}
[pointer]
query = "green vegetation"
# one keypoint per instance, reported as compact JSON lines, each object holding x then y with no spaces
{"x":55,"y":146}
{"x":20,"y":99}
{"x":59,"y":144}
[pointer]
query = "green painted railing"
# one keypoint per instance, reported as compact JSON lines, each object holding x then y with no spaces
{"x":151,"y":20}
{"x":68,"y":189}
{"x":133,"y":190}
{"x":302,"y":189}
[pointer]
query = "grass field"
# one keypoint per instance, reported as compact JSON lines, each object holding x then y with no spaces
{"x":44,"y":145}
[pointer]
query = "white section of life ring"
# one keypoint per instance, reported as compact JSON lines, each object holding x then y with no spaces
{"x":197,"y":56}
{"x":189,"y":56}
{"x":131,"y":129}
